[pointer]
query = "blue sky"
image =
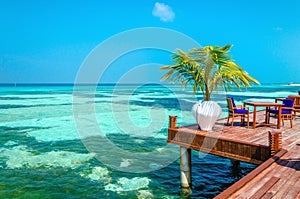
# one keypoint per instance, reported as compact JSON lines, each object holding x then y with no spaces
{"x":47,"y":41}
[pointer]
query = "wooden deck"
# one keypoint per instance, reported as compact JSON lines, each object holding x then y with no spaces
{"x":276,"y":177}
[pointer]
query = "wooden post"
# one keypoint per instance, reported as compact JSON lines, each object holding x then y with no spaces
{"x":185,"y":170}
{"x":236,"y":164}
{"x":172,"y":121}
{"x":235,"y":167}
{"x":275,"y":141}
{"x":185,"y":163}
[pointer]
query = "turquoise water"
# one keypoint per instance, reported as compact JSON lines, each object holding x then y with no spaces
{"x":46,"y":153}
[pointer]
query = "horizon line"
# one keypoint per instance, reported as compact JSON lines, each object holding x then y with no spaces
{"x":99,"y":84}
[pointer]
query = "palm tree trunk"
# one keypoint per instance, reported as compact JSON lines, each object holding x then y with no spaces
{"x":207,"y":93}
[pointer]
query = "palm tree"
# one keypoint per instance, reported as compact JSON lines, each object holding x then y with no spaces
{"x":206,"y":69}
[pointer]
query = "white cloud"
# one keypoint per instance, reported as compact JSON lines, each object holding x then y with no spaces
{"x":164,"y":12}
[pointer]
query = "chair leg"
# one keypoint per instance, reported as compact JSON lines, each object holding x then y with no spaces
{"x":248,"y":120}
{"x":291,"y":120}
{"x":242,"y":120}
{"x":232,"y":121}
{"x":228,"y":120}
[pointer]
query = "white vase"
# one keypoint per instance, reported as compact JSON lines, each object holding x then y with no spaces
{"x":206,"y":114}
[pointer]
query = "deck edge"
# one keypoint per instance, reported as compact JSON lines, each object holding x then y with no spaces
{"x":242,"y":182}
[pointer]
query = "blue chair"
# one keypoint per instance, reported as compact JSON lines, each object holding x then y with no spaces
{"x":236,"y":111}
{"x":286,"y":111}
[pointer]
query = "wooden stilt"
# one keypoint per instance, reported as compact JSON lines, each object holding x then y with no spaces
{"x":235,"y":163}
{"x":185,"y":170}
{"x":235,"y":167}
{"x":185,"y":163}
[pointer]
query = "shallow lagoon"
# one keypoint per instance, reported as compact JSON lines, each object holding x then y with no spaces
{"x":42,"y":154}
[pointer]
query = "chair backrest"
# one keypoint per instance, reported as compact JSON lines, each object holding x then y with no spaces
{"x":233,"y":103}
{"x":296,"y":100}
{"x":229,"y":103}
{"x":288,"y":103}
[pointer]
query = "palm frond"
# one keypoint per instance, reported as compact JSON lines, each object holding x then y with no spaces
{"x":206,"y":69}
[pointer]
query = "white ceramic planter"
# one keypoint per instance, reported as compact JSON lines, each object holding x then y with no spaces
{"x":206,"y":114}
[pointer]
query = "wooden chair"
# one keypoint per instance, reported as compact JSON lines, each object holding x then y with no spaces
{"x":236,"y":111}
{"x":296,"y":98}
{"x":286,"y":111}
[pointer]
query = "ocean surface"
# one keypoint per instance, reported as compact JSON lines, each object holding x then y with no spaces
{"x":109,"y":141}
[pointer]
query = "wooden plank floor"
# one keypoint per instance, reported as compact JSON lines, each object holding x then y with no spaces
{"x":259,"y":135}
{"x":280,"y":179}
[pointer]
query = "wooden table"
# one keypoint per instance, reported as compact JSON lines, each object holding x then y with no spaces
{"x":267,"y":105}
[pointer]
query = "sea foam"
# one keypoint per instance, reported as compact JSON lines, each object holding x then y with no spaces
{"x":125,"y":184}
{"x":20,"y":156}
{"x":97,"y":174}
